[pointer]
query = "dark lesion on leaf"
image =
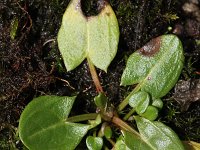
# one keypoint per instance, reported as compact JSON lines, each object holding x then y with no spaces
{"x":151,"y":48}
{"x":92,"y":8}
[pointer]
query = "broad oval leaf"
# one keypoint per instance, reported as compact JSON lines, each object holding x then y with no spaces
{"x":139,"y":101}
{"x":156,"y":66}
{"x":94,"y":143}
{"x":43,"y":125}
{"x":94,"y":37}
{"x":158,"y":135}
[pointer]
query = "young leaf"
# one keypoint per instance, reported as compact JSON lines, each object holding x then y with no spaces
{"x":158,"y":135}
{"x":108,"y":132}
{"x":156,"y":66}
{"x":157,"y":103}
{"x":140,"y":101}
{"x":94,"y":37}
{"x":151,"y":113}
{"x":43,"y":124}
{"x":101,"y":100}
{"x":94,"y":143}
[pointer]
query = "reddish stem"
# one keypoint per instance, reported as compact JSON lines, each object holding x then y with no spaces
{"x":95,"y":77}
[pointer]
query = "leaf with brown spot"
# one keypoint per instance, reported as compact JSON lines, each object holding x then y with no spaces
{"x":94,"y":37}
{"x":156,"y":66}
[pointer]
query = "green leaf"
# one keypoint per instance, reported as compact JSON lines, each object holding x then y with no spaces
{"x":94,"y":143}
{"x":151,"y":113}
{"x":108,"y":132}
{"x":96,"y":122}
{"x":94,"y":37}
{"x":158,"y":135}
{"x":120,"y":145}
{"x":140,"y":101}
{"x":135,"y":142}
{"x":157,"y":103}
{"x":156,"y":66}
{"x":101,"y":100}
{"x":43,"y":125}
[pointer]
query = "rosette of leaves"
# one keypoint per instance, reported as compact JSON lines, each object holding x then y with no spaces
{"x":95,"y":37}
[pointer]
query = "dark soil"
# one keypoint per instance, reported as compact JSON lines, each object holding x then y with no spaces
{"x":31,"y":65}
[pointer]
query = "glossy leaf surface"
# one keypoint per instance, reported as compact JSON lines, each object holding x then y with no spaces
{"x":101,"y":100}
{"x":94,"y":37}
{"x":135,"y":142}
{"x":158,"y":103}
{"x":120,"y":145}
{"x":156,"y":66}
{"x":151,"y":113}
{"x":139,"y":101}
{"x":94,"y":143}
{"x":43,"y":125}
{"x":158,"y":135}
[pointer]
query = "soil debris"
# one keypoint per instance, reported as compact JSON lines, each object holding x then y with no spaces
{"x":187,"y":92}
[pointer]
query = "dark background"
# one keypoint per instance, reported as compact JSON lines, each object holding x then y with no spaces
{"x":31,"y":65}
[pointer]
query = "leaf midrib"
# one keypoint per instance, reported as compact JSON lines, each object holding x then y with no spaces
{"x":161,"y":131}
{"x":154,"y":67}
{"x":45,"y":129}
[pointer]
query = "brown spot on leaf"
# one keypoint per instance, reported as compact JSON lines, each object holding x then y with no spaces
{"x":108,"y":14}
{"x":102,"y":4}
{"x":151,"y":48}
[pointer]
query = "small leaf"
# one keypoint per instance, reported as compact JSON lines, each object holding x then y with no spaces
{"x":151,"y":113}
{"x":43,"y":124}
{"x":101,"y":100}
{"x":94,"y":37}
{"x":108,"y":132}
{"x":94,"y":143}
{"x":140,"y":101}
{"x":158,"y":103}
{"x":96,"y":122}
{"x":158,"y":135}
{"x":156,"y":66}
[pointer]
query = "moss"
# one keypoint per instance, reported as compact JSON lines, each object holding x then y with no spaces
{"x":185,"y":124}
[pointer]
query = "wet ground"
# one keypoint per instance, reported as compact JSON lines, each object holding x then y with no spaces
{"x":31,"y":65}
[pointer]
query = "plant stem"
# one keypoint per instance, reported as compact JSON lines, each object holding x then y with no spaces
{"x":95,"y":77}
{"x":123,"y":125}
{"x":83,"y":117}
{"x":124,"y":103}
{"x":129,"y":114}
